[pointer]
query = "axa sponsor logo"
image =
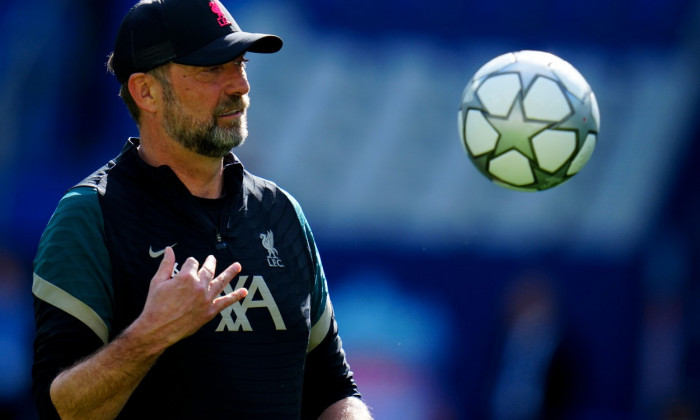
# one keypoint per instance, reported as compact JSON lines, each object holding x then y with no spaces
{"x":259,"y":297}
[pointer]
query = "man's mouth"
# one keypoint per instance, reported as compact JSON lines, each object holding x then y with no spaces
{"x":231,"y":113}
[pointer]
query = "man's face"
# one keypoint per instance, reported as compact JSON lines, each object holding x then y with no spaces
{"x":205,"y":108}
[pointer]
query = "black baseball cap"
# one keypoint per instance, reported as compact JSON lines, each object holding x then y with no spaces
{"x":194,"y":32}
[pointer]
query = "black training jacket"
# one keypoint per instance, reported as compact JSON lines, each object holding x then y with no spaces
{"x":274,"y":355}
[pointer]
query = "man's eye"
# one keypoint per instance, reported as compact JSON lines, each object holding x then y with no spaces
{"x":213,"y":69}
{"x":241,"y":62}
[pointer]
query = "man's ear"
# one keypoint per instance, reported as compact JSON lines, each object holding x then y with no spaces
{"x":144,"y":91}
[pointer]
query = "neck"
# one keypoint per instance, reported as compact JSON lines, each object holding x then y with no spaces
{"x":202,"y":175}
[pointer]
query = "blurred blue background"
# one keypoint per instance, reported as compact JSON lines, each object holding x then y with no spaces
{"x":456,"y":298}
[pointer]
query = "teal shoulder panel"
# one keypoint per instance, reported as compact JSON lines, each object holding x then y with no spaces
{"x":319,"y":296}
{"x":72,"y":269}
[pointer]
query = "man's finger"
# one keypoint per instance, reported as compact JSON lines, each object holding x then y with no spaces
{"x":190,"y":267}
{"x":206,"y":273}
{"x":222,"y":302}
{"x":165,"y":269}
{"x":219,"y":283}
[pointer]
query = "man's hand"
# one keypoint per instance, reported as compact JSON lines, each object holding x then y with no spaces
{"x":176,"y":307}
{"x":180,"y":305}
{"x":350,"y":408}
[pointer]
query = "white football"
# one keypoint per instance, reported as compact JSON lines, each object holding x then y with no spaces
{"x":528,"y":120}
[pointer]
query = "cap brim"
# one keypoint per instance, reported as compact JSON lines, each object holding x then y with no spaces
{"x":231,"y":46}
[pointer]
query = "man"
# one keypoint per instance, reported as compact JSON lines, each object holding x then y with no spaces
{"x":172,"y":283}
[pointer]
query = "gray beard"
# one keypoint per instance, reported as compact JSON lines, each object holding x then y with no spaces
{"x":205,"y":138}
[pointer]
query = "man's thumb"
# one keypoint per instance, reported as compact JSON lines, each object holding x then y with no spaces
{"x":165,"y":269}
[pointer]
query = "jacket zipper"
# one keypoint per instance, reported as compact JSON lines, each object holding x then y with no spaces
{"x":220,"y":244}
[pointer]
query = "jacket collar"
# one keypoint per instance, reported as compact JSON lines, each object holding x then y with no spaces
{"x":163,"y":176}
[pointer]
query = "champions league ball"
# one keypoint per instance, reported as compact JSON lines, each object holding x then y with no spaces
{"x":528,"y":120}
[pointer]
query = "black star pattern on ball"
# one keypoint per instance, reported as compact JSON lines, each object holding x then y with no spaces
{"x":545,"y":180}
{"x":528,"y":72}
{"x":470,"y":101}
{"x":515,"y":131}
{"x":581,"y":120}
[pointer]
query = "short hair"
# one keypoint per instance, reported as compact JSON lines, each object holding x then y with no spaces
{"x":159,"y":73}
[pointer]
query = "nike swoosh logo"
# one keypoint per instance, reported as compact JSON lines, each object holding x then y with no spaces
{"x":156,"y":254}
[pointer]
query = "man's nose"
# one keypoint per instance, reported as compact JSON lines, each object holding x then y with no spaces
{"x":237,"y":81}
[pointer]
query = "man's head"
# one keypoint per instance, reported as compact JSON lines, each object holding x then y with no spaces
{"x":188,"y":33}
{"x":192,"y":32}
{"x":209,"y":115}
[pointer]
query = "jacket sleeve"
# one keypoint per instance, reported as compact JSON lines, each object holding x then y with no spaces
{"x":72,"y":292}
{"x":60,"y":342}
{"x":327,"y":374}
